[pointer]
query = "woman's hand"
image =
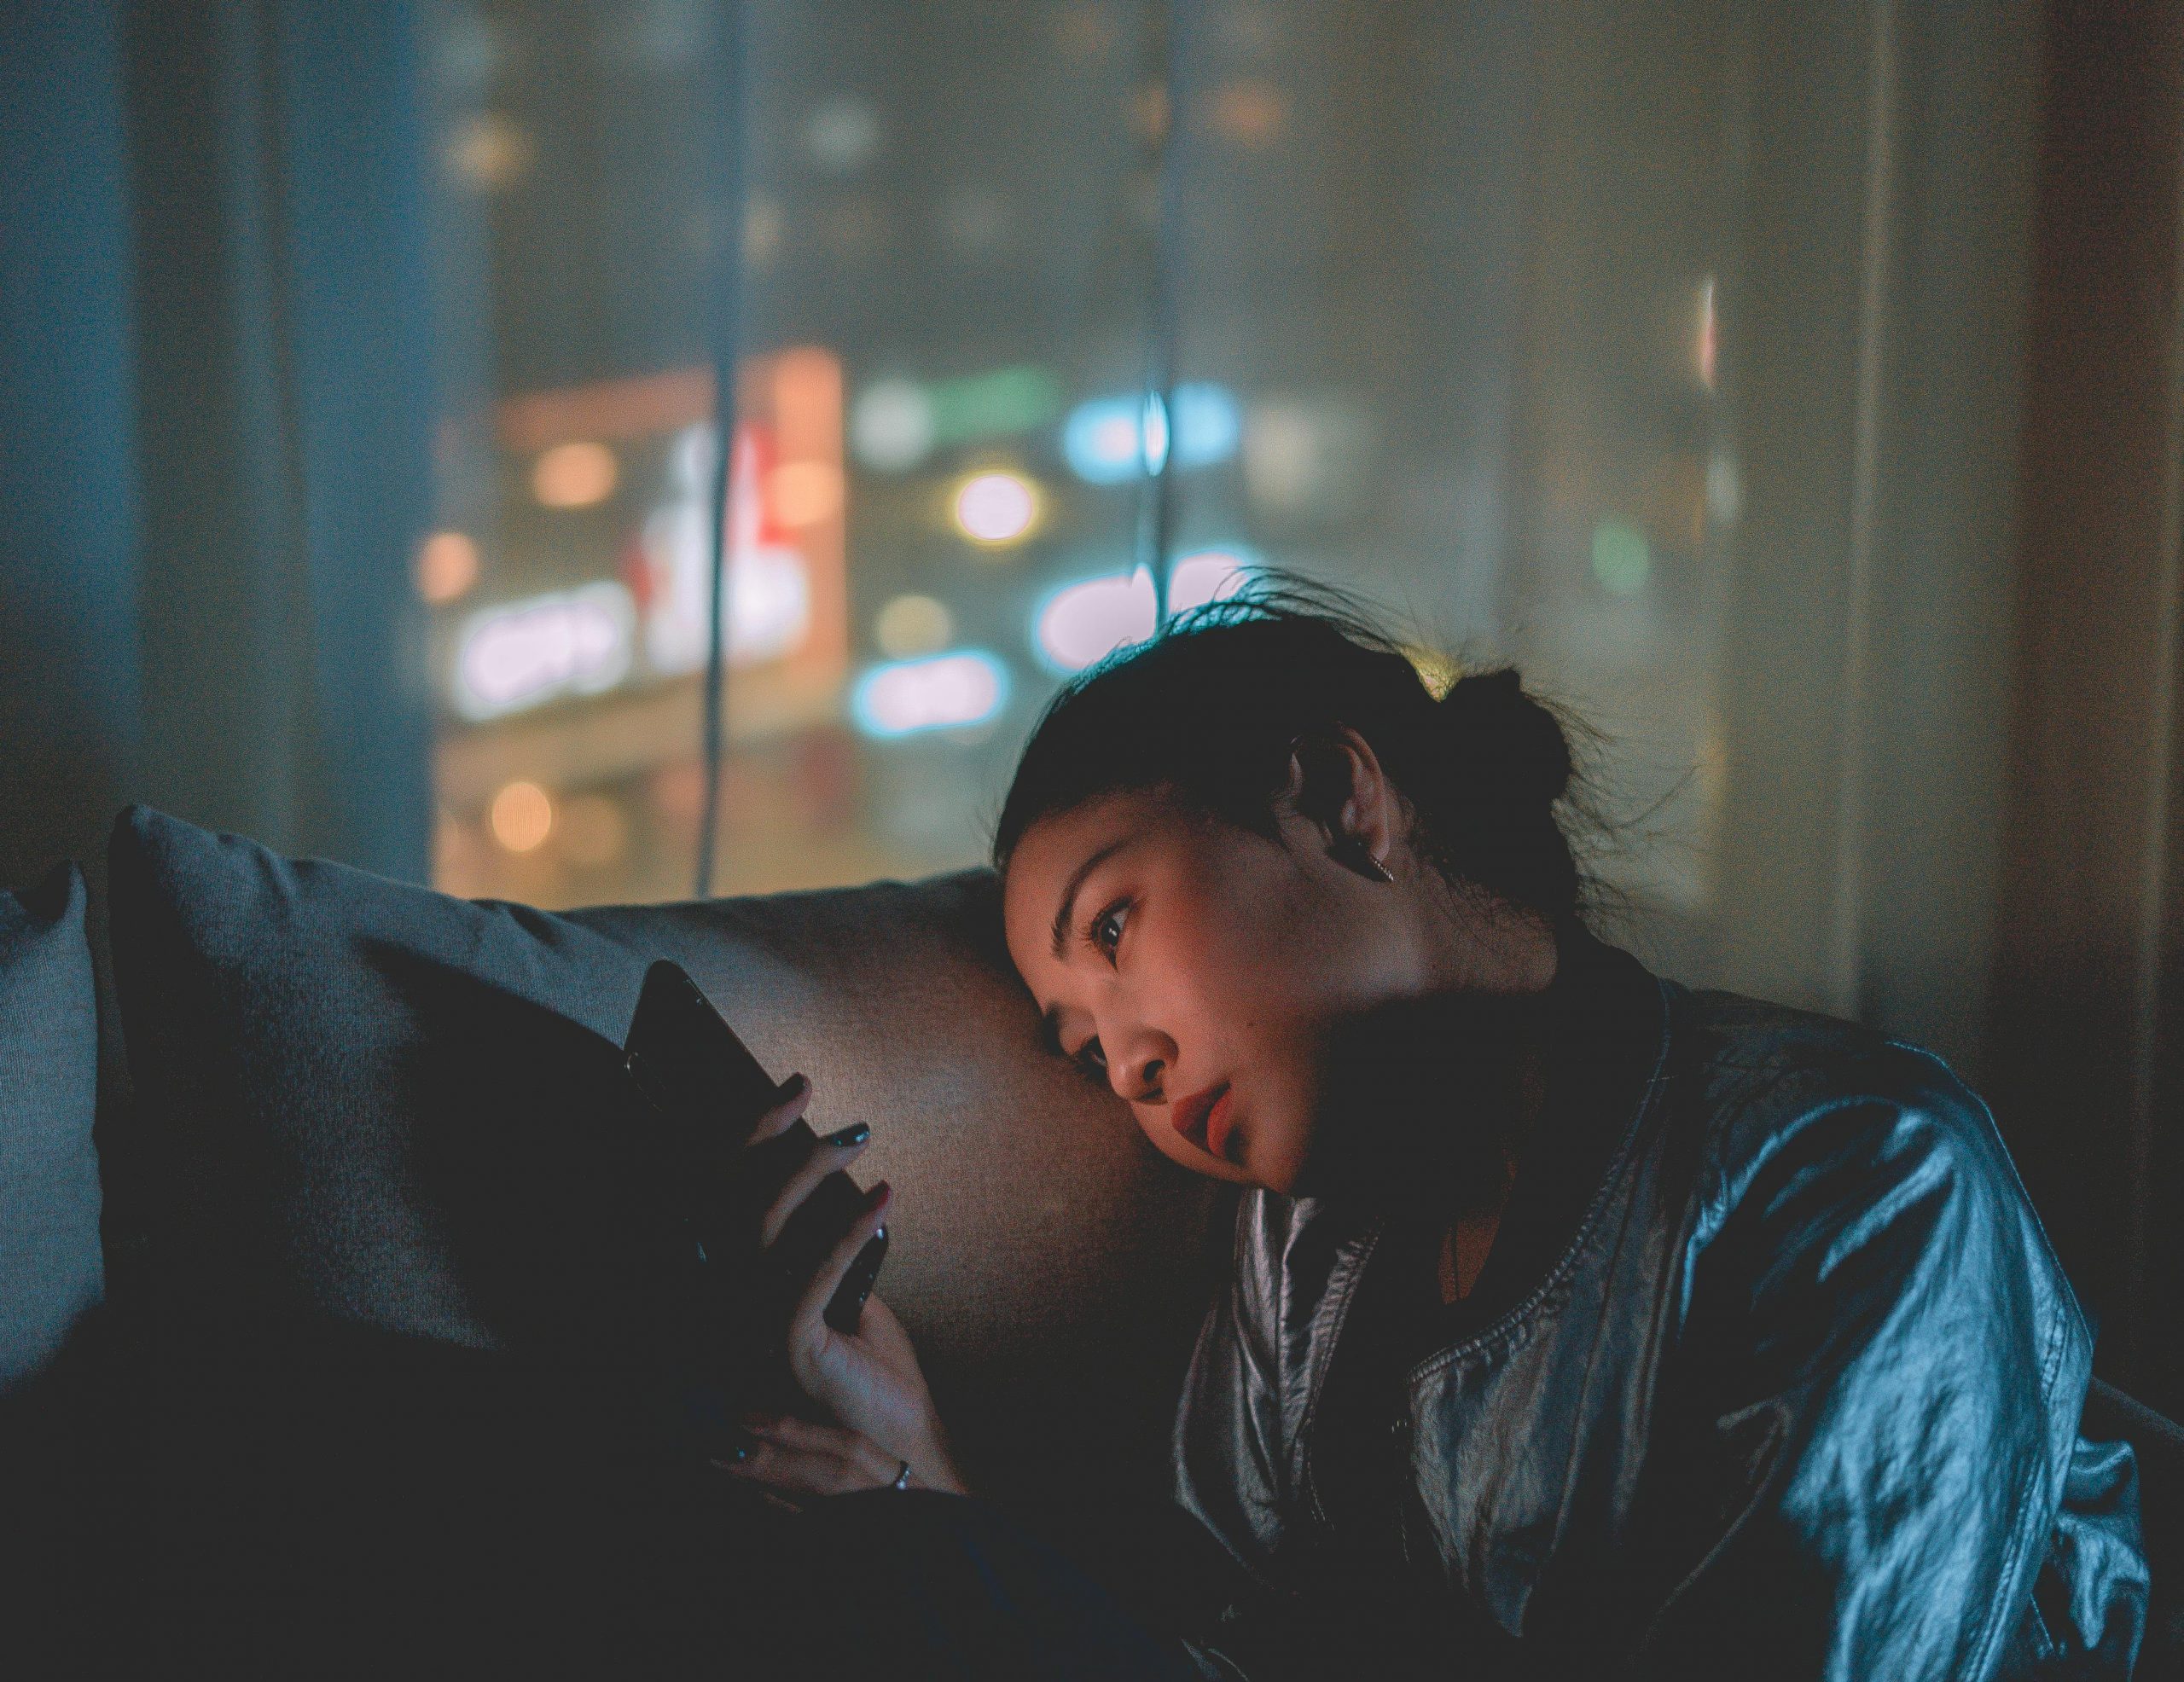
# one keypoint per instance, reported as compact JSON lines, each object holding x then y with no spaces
{"x":799,"y":1460}
{"x":868,"y":1381}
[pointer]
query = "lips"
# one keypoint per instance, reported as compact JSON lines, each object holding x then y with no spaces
{"x":1206,"y":1118}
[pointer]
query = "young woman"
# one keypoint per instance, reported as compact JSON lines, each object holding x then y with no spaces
{"x":1581,"y":1324}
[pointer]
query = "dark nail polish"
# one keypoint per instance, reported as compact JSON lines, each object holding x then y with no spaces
{"x":855,"y":1134}
{"x":736,"y":1445}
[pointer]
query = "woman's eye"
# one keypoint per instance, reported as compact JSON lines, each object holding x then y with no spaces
{"x":1108,"y":928}
{"x":1091,"y":1060}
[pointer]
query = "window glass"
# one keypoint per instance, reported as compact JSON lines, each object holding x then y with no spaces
{"x":1433,"y":293}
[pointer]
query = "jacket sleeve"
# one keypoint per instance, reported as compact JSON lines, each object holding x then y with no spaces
{"x":1872,"y":1409}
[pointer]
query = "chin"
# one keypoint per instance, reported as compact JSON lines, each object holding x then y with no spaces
{"x":1272,"y":1163}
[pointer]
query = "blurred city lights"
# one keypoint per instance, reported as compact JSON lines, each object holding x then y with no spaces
{"x":995,"y":508}
{"x":1084,"y":622}
{"x":447,"y":567}
{"x":521,"y":817}
{"x":994,"y":403}
{"x":1724,"y":492}
{"x":911,"y":625}
{"x":1207,"y":575}
{"x":1100,"y":441}
{"x":895,"y":424}
{"x":524,"y":653}
{"x":945,"y":692}
{"x":1155,"y":411}
{"x":891,"y":426}
{"x":1305,"y":455}
{"x":842,"y":135}
{"x":1622,"y":560}
{"x":804,"y":493}
{"x":575,"y":475}
{"x":1710,"y":342}
{"x":1108,"y":440}
{"x":490,"y":152}
{"x":768,"y":582}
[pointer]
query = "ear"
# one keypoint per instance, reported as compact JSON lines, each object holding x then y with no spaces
{"x":1336,"y":782}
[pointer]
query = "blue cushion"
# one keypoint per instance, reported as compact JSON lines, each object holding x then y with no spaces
{"x":50,"y":1273}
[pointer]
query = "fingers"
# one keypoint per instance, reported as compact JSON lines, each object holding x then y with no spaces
{"x":803,"y":1457}
{"x":795,"y":1099}
{"x":806,"y":1327}
{"x":836,"y":1150}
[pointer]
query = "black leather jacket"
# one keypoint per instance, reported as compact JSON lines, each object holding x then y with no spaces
{"x":1793,"y":1392}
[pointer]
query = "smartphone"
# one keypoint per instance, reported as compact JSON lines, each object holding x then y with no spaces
{"x":708,"y":1091}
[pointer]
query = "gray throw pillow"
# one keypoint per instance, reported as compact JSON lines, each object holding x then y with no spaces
{"x":389,"y":1227}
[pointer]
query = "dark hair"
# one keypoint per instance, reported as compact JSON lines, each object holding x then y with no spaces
{"x":1212,"y":706}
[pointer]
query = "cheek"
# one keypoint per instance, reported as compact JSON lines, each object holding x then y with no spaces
{"x":1243,"y":936}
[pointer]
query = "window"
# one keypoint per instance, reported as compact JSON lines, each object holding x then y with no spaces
{"x":1436,"y":298}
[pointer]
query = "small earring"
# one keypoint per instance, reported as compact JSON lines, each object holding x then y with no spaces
{"x":1353,"y":852}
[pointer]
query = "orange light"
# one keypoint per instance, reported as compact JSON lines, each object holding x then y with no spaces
{"x":490,"y":152}
{"x":575,"y":475}
{"x":640,"y":407}
{"x":521,"y":817}
{"x":804,"y":493}
{"x":1709,"y":335}
{"x":447,"y":567}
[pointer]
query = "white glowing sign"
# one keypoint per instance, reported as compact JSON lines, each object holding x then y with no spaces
{"x":518,"y":655}
{"x":1087,"y":621}
{"x":769,"y":584}
{"x":1210,"y":574}
{"x":945,"y":692}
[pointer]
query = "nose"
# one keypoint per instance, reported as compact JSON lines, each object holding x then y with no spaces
{"x":1138,"y":1065}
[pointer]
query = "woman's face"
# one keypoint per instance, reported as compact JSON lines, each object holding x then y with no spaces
{"x":1200,"y":969}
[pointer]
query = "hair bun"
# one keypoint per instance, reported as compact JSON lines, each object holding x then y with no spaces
{"x":1512,"y":741}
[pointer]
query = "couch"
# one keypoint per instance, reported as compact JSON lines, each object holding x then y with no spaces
{"x":329,"y":1287}
{"x":328,"y":1313}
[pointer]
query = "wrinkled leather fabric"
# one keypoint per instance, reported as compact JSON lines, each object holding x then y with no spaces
{"x":1799,"y":1399}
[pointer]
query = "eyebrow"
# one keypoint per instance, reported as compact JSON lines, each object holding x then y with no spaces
{"x":1069,"y":892}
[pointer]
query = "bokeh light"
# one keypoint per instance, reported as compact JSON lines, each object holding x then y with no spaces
{"x":804,"y":493}
{"x":1207,"y":575}
{"x":447,"y":567}
{"x":996,"y":509}
{"x":911,"y":625}
{"x":1108,"y":440}
{"x":891,"y":428}
{"x":1622,"y":559}
{"x":1088,"y":620}
{"x":522,"y":654}
{"x":521,"y":817}
{"x":575,"y":475}
{"x":949,"y":691}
